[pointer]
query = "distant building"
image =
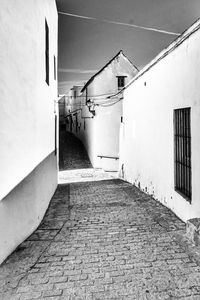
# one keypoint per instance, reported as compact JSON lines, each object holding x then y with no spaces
{"x":97,"y":119}
{"x":74,"y":109}
{"x":160,"y":136}
{"x":28,"y":156}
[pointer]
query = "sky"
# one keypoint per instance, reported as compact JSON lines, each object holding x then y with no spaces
{"x":141,"y":28}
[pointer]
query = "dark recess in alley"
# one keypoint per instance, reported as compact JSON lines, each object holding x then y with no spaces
{"x":72,"y":153}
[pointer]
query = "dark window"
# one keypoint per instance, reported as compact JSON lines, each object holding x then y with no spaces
{"x":75,"y":94}
{"x":47,"y":51}
{"x":55,"y":67}
{"x":182,"y":138}
{"x":55,"y":135}
{"x":121,"y":81}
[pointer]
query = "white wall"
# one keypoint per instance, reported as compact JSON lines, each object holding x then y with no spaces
{"x":27,"y":118}
{"x":147,"y":136}
{"x":101,"y":133}
{"x":27,"y":102}
{"x":23,"y":208}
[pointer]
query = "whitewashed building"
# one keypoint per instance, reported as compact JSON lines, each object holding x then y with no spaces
{"x":96,"y":120}
{"x":28,"y":159}
{"x":76,"y":110}
{"x":160,"y":134}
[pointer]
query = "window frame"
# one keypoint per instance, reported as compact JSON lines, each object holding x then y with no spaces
{"x":121,"y":81}
{"x":182,"y":153}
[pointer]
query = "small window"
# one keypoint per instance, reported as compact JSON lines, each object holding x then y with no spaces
{"x":55,"y":151}
{"x":121,"y":81}
{"x":47,"y":51}
{"x":182,"y":155}
{"x":54,"y":59}
{"x":75,"y":93}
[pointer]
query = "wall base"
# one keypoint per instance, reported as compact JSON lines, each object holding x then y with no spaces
{"x":22,"y":210}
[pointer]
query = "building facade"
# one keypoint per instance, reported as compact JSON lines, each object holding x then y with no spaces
{"x":28,"y":131}
{"x":160,"y":137}
{"x":97,"y":119}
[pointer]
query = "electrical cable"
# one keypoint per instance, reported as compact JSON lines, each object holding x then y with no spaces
{"x":92,"y":96}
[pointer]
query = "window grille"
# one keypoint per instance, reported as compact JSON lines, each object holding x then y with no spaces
{"x":182,"y":138}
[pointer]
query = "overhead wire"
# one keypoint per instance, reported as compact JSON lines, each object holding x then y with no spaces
{"x":110,"y":95}
{"x":92,"y":96}
{"x":103,"y":100}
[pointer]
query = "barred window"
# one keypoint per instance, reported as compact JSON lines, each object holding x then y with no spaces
{"x":182,"y":155}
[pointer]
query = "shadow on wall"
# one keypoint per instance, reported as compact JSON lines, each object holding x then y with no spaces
{"x":72,"y":153}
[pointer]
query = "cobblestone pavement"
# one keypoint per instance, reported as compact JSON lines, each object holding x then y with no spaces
{"x":72,"y":154}
{"x":102,"y":240}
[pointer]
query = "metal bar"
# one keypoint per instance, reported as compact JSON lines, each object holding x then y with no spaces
{"x":190,"y":172}
{"x":182,"y":152}
{"x":111,"y":157}
{"x":184,"y":168}
{"x":178,"y":133}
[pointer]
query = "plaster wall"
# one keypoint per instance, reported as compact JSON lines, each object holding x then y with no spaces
{"x":28,"y":163}
{"x":27,"y":102}
{"x":147,"y":134}
{"x":100,"y":135}
{"x":23,"y":208}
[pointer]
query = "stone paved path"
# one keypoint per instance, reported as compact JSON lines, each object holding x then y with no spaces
{"x":102,"y":240}
{"x":74,"y":163}
{"x":72,"y":154}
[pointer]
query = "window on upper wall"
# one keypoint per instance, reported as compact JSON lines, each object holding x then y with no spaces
{"x":121,"y":81}
{"x":54,"y":60}
{"x":55,"y":151}
{"x":182,"y":152}
{"x":47,"y":51}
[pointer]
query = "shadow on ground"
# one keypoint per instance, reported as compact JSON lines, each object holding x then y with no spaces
{"x":101,"y":240}
{"x":72,"y":153}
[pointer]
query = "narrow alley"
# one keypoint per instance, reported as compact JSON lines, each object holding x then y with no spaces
{"x":72,"y":155}
{"x":101,"y":240}
{"x":74,"y":163}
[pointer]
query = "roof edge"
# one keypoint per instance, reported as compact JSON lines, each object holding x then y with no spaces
{"x":109,"y":62}
{"x":166,"y":51}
